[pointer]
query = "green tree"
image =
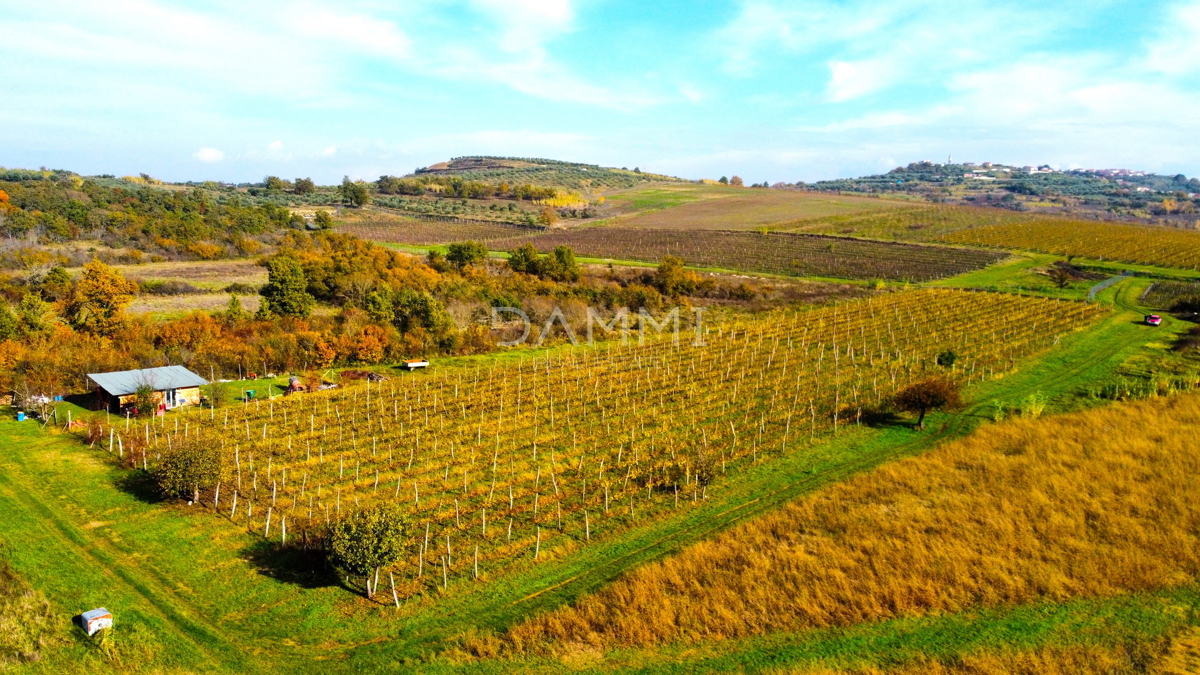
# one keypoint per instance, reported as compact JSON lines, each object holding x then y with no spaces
{"x":437,"y":261}
{"x":368,"y":539}
{"x":56,"y":285}
{"x":144,"y":400}
{"x":379,"y":306}
{"x":189,"y":466}
{"x":285,"y":293}
{"x":217,"y":393}
{"x":417,"y":311}
{"x":234,"y":311}
{"x":560,"y":264}
{"x":723,"y":180}
{"x":670,"y":277}
{"x":276,"y":183}
{"x":354,"y":193}
{"x":304,"y":186}
{"x":323,"y":219}
{"x":947,"y":358}
{"x":524,"y":259}
{"x":97,"y":303}
{"x":933,"y":393}
{"x":34,"y":316}
{"x":9,"y":328}
{"x":461,"y":254}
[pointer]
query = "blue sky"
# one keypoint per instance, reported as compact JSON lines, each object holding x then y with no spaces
{"x":767,"y":90}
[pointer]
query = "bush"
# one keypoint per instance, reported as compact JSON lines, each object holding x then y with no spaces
{"x":465,"y":253}
{"x":368,"y":539}
{"x":167,"y":287}
{"x":934,"y":393}
{"x":189,"y":467}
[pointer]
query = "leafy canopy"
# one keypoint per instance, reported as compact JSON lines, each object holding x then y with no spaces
{"x":933,"y":393}
{"x":368,"y":539}
{"x":286,"y":291}
{"x":98,"y":302}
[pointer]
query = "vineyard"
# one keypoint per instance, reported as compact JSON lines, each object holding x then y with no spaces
{"x":906,"y":223}
{"x":1169,"y":295}
{"x":1099,"y":241}
{"x":504,"y":465}
{"x":708,"y":207}
{"x":428,"y":232}
{"x":776,"y":253}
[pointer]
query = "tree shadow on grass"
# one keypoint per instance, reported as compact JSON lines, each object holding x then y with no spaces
{"x":141,"y":486}
{"x":883,"y":419}
{"x":306,"y":568}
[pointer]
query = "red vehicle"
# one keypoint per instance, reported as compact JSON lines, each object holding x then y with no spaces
{"x":1154,"y":320}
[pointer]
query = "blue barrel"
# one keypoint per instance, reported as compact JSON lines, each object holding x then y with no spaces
{"x":20,"y":417}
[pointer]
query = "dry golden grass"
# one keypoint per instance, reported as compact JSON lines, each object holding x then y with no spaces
{"x":172,"y":305}
{"x":1154,"y":658}
{"x":212,"y":274}
{"x":1096,"y":503}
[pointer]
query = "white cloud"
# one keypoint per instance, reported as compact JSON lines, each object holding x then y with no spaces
{"x":359,"y":32}
{"x":329,"y":151}
{"x":1177,"y":49}
{"x":526,"y":24}
{"x":275,"y":145}
{"x":851,"y":79}
{"x":209,"y":155}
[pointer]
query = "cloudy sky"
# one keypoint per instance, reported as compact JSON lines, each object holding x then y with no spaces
{"x":769,"y":90}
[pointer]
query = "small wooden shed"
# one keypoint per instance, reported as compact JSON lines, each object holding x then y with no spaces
{"x":173,"y":386}
{"x":95,"y":621}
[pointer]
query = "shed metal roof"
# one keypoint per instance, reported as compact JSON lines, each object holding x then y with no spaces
{"x":127,"y":382}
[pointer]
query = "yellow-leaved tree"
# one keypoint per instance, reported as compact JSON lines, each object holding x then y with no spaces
{"x":98,"y":301}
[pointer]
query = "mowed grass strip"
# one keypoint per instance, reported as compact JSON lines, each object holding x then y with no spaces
{"x":775,"y":253}
{"x":1096,"y":240}
{"x":1097,"y":503}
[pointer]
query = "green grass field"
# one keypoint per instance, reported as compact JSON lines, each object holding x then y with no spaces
{"x":192,"y":594}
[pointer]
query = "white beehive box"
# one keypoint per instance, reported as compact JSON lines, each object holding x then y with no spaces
{"x":96,"y":620}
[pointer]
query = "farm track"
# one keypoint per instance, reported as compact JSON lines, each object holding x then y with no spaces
{"x":146,"y":582}
{"x":1086,"y":354}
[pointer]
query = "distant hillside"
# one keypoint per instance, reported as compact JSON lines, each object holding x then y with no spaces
{"x":1107,"y":193}
{"x":138,"y":215}
{"x":542,"y":172}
